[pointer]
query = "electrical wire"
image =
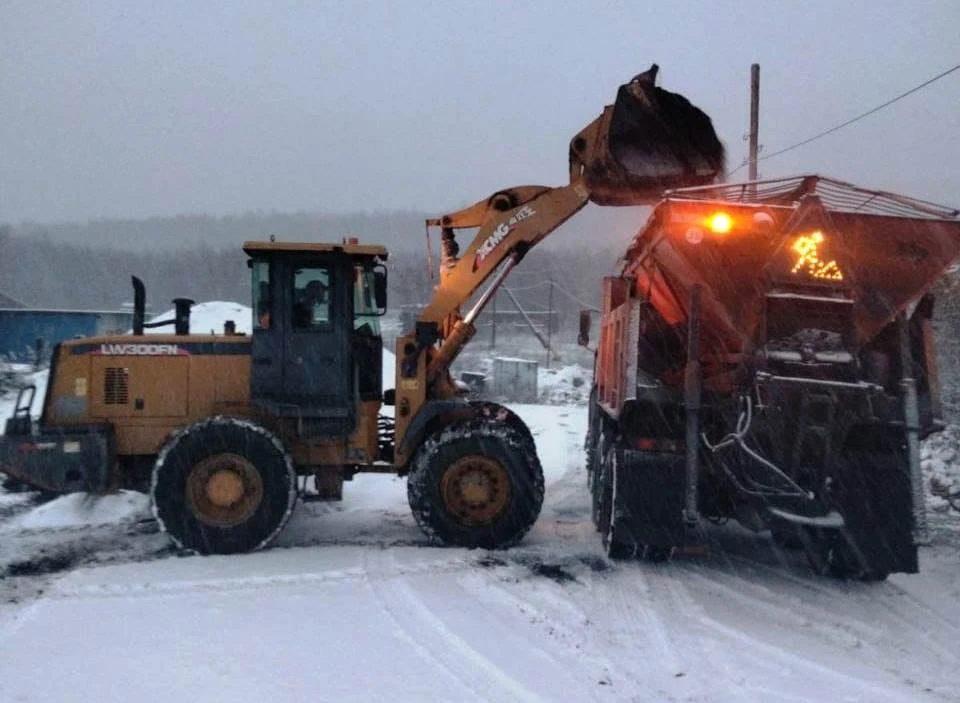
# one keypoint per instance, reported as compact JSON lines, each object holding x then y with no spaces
{"x":849,"y":122}
{"x":560,"y":288}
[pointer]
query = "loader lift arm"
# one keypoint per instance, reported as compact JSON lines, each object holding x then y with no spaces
{"x":510,"y":222}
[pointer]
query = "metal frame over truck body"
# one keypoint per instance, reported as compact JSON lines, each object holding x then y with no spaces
{"x":766,"y":354}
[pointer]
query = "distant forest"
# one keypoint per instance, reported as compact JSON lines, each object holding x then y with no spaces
{"x":88,"y":265}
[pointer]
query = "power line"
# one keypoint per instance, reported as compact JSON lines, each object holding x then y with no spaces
{"x":853,"y":119}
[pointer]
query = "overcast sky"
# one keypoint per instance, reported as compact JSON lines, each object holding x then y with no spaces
{"x":136,"y":108}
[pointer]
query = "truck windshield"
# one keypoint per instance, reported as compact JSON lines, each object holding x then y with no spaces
{"x":365,"y":317}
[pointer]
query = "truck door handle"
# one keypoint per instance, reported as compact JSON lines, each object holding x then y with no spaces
{"x":262,"y":360}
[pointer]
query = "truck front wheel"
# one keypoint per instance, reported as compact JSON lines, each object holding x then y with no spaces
{"x":476,"y":484}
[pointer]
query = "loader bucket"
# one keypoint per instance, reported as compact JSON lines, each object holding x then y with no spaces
{"x":648,"y":141}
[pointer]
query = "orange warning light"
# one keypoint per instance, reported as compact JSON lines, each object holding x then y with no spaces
{"x":809,"y":261}
{"x":720,"y":223}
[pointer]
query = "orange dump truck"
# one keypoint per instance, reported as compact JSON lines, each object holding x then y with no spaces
{"x":766,"y":354}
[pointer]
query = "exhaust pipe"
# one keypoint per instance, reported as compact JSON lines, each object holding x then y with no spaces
{"x":181,"y":323}
{"x":139,"y":304}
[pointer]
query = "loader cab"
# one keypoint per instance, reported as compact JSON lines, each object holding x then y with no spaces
{"x":316,"y":348}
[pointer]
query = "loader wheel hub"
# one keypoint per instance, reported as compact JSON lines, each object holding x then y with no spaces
{"x":475,"y":489}
{"x":224,"y":490}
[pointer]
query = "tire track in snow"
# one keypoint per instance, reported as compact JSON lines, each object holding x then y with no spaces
{"x":895,"y":600}
{"x":799,"y":666}
{"x":385,"y":602}
{"x":66,"y":590}
{"x":551,"y":628}
{"x":435,"y":639}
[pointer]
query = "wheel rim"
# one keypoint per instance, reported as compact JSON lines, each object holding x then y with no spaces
{"x":224,"y":490}
{"x":475,"y":490}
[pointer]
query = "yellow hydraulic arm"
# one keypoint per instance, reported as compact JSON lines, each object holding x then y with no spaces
{"x":510,"y":222}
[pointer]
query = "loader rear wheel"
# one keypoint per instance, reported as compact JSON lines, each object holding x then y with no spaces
{"x":476,"y":484}
{"x":222,"y":486}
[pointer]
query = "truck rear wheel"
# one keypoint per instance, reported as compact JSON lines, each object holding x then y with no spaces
{"x":476,"y":484}
{"x":831,"y":555}
{"x":222,"y":486}
{"x":616,"y":544}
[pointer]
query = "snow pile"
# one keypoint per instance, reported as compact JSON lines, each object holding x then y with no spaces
{"x":389,"y":373}
{"x":12,"y":376}
{"x":208,"y":318}
{"x":83,"y":509}
{"x":940,"y":459}
{"x":569,"y":385}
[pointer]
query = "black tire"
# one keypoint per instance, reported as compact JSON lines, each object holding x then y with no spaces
{"x":193,"y":459}
{"x":786,"y":538}
{"x":615,"y":543}
{"x":592,"y":441}
{"x":594,"y":483}
{"x":657,"y":555}
{"x":833,"y":557}
{"x":495,"y":455}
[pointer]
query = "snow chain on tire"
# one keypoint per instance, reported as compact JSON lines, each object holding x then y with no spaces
{"x":485,"y":441}
{"x":249,"y":445}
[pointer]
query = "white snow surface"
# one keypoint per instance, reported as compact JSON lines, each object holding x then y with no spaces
{"x":568,"y":385}
{"x":352,"y":604}
{"x":940,"y":459}
{"x":208,"y":318}
{"x":84,"y":509}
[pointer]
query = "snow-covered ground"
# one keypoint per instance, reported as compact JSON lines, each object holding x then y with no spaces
{"x":353,"y":604}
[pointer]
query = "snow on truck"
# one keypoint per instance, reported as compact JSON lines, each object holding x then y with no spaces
{"x":225,"y":431}
{"x":766,"y":354}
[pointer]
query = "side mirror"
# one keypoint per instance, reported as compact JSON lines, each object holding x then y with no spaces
{"x":380,"y":289}
{"x":583,"y":339}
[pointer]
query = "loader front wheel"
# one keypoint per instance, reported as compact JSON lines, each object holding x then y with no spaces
{"x":222,"y":486}
{"x":476,"y":484}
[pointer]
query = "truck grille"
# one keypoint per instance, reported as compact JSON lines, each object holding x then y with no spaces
{"x":116,"y":388}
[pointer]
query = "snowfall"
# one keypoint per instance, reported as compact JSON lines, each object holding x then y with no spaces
{"x":351,"y":603}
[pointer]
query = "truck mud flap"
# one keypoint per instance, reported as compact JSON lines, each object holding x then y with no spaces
{"x":648,"y":500}
{"x":61,"y":461}
{"x":872,"y":492}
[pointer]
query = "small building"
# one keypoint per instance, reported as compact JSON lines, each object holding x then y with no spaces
{"x":21,"y":327}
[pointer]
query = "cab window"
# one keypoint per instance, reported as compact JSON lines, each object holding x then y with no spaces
{"x":311,"y":298}
{"x":366,"y":319}
{"x":262,"y":303}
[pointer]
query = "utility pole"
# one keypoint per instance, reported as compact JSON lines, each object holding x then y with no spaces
{"x":754,"y":119}
{"x":549,"y":320}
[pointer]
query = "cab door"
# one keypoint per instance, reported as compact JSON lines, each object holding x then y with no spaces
{"x":317,"y":369}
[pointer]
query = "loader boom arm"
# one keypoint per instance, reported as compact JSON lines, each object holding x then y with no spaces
{"x":510,"y":222}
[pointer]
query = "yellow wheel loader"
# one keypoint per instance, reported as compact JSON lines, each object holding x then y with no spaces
{"x":222,"y":428}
